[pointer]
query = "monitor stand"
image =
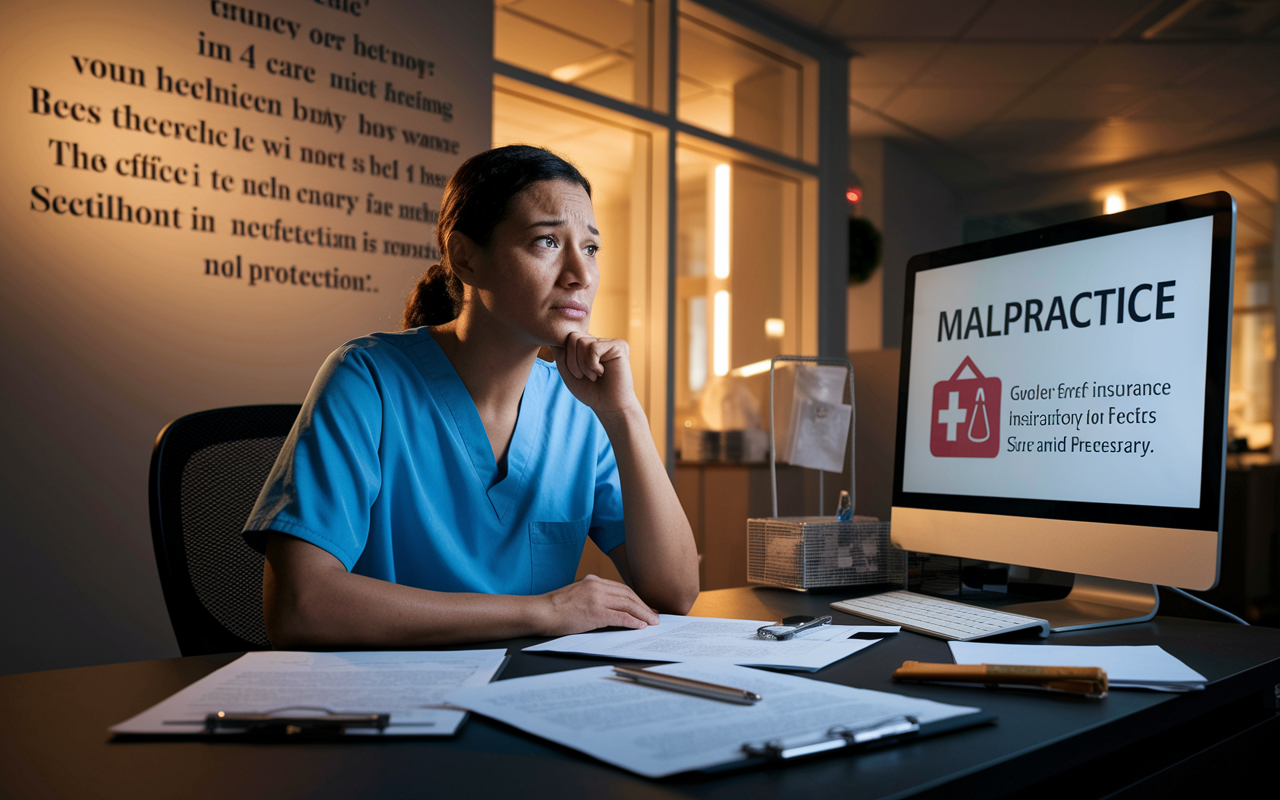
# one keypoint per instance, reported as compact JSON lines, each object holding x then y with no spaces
{"x":1094,"y":603}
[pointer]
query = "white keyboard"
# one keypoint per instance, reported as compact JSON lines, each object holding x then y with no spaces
{"x":933,"y":616}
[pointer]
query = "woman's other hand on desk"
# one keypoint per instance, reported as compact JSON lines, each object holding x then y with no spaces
{"x":593,"y":603}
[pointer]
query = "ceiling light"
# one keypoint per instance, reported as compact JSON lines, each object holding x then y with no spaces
{"x":1113,"y":203}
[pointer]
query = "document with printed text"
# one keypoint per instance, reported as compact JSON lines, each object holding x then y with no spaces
{"x":730,"y":640}
{"x":656,"y":732}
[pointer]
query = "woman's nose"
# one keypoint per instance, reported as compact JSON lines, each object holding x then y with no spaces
{"x":577,"y":272}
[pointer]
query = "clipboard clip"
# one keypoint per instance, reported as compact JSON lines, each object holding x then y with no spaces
{"x":835,"y":738}
{"x":321,"y":721}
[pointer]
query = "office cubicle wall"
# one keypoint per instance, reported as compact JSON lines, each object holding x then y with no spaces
{"x":201,"y":201}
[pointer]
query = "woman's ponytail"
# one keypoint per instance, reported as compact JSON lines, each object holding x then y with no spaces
{"x":435,"y":299}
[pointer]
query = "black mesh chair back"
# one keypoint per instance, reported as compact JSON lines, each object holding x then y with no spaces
{"x":207,"y":469}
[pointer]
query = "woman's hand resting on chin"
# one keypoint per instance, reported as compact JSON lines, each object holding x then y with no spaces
{"x":598,"y":372}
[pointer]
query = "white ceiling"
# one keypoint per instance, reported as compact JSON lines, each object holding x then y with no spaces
{"x":999,"y":91}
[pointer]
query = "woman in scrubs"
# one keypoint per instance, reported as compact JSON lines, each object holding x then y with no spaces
{"x":440,"y":482}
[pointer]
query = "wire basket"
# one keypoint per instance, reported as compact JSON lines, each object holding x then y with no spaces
{"x":821,"y":552}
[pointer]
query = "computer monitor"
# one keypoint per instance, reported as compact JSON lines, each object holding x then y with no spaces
{"x":1062,"y":404}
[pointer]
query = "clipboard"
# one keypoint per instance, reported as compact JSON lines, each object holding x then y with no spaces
{"x":848,"y":740}
{"x":408,"y":701}
{"x":661,"y":732}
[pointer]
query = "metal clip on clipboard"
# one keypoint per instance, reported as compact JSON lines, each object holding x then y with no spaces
{"x":273,"y":722}
{"x":834,"y":739}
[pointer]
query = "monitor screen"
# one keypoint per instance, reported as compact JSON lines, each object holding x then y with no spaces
{"x":1077,"y":375}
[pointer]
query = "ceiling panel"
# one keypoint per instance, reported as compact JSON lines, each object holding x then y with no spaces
{"x":1056,"y":100}
{"x":1018,"y":138}
{"x":1202,"y":105}
{"x":873,"y":96}
{"x":890,"y":62}
{"x":948,"y":111}
{"x":1254,"y":64}
{"x":906,"y":19}
{"x":1150,"y":64}
{"x":1054,"y":19}
{"x":996,"y":64}
{"x":1265,"y":115}
{"x":863,"y":123}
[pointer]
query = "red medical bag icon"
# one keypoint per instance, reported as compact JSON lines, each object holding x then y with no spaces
{"x":966,"y":415}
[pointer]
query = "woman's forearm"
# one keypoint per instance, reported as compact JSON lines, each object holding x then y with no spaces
{"x":311,"y":601}
{"x":662,"y":558}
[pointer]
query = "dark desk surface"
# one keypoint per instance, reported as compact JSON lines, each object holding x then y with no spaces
{"x":54,"y":743}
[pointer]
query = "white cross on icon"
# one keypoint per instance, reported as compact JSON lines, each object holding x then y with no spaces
{"x":952,"y":415}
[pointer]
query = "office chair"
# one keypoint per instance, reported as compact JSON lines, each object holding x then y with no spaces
{"x":206,"y":471}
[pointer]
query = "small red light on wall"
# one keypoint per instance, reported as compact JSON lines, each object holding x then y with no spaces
{"x":854,"y":195}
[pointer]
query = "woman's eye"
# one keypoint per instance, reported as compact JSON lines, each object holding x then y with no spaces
{"x":592,"y":249}
{"x":547,"y":241}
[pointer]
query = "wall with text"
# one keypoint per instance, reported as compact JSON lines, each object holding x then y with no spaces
{"x":201,"y":200}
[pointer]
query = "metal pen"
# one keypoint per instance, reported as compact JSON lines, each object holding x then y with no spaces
{"x":688,"y":686}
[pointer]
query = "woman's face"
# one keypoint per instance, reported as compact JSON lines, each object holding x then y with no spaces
{"x":538,"y":276}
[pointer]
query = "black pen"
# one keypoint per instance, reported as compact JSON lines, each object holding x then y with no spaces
{"x":689,"y":686}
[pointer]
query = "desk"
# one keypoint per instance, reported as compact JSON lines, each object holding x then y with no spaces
{"x":54,"y":744}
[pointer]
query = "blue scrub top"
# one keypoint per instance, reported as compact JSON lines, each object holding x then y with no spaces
{"x":389,"y":469}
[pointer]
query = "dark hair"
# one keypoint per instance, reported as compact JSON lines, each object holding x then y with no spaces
{"x":475,"y":201}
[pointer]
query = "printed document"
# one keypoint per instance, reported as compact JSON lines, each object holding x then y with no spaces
{"x":1127,"y":667}
{"x":656,"y":732}
{"x":410,"y":686}
{"x":731,"y":640}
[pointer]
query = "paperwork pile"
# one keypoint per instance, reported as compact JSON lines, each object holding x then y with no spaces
{"x":730,"y":640}
{"x":1127,"y":667}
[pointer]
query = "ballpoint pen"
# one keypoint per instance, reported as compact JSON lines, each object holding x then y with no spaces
{"x":688,"y":686}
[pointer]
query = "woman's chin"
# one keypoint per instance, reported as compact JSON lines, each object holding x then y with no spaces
{"x":559,"y":330}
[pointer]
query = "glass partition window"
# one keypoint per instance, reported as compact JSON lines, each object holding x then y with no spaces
{"x":601,"y":45}
{"x":616,"y":159}
{"x":1253,"y":352}
{"x":737,"y":276}
{"x":740,"y":85}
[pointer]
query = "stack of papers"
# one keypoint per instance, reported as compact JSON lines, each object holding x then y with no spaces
{"x":1127,"y":667}
{"x":730,"y":640}
{"x":656,"y":732}
{"x":410,"y":686}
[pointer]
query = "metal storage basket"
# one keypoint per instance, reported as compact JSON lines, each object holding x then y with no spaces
{"x":820,"y":552}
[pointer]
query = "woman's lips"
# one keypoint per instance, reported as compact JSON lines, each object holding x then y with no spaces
{"x":573,"y":309}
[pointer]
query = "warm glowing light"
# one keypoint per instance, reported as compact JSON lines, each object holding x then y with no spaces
{"x":854,"y":195}
{"x":720,"y":334}
{"x":721,"y":233}
{"x":774,"y":328}
{"x":1114,"y":203}
{"x":752,"y":369}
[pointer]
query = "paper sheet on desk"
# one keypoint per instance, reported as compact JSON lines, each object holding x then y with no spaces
{"x":731,"y":640}
{"x":401,"y":683}
{"x":1127,"y":667}
{"x":656,"y":732}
